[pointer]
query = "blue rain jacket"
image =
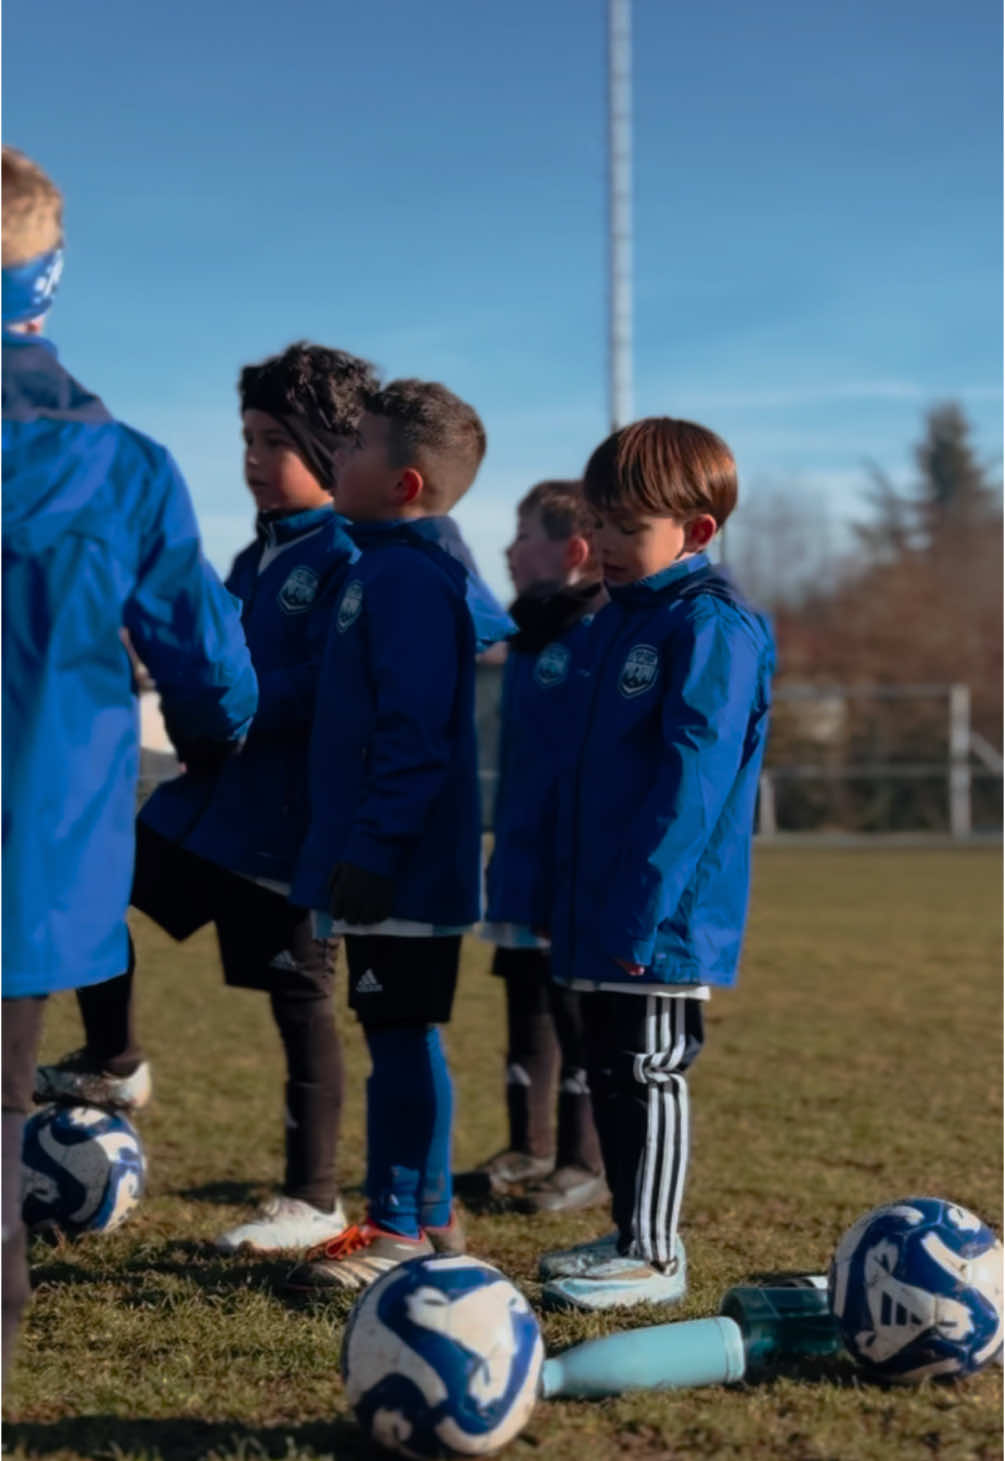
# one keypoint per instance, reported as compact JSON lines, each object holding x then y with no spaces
{"x":393,"y":762}
{"x":543,"y":699}
{"x":252,"y":816}
{"x":98,"y":535}
{"x":656,"y":815}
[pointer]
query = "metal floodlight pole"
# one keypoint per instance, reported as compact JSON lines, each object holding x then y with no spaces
{"x":619,"y":176}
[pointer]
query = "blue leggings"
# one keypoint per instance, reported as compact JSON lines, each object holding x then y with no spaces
{"x":410,"y":1104}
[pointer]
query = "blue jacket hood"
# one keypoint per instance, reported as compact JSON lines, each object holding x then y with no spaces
{"x":490,"y":620}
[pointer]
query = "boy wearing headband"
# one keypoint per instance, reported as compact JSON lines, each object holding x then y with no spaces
{"x":98,"y":537}
{"x":218,"y":844}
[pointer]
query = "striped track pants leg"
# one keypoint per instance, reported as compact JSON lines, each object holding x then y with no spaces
{"x":662,"y":1167}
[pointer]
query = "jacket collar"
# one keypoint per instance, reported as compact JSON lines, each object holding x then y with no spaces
{"x":667,"y":583}
{"x":442,"y":535}
{"x":274,"y":529}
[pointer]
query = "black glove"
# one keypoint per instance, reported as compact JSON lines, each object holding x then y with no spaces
{"x":205,"y":757}
{"x":358,"y":896}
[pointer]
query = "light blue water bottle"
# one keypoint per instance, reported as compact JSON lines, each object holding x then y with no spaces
{"x":659,"y":1357}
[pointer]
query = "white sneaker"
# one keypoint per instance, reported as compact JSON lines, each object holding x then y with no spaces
{"x":619,"y":1283}
{"x":77,"y":1081}
{"x":283,"y":1223}
{"x":567,"y":1262}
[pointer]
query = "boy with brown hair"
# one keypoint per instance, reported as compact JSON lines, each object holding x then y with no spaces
{"x":655,"y":822}
{"x":393,"y":851}
{"x":99,"y":536}
{"x":559,"y":591}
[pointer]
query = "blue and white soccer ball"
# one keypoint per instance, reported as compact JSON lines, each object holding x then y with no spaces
{"x":442,"y":1357}
{"x":916,"y":1288}
{"x":83,"y":1170}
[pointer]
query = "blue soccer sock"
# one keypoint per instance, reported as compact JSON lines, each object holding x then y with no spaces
{"x":409,"y":1114}
{"x":437,"y":1191}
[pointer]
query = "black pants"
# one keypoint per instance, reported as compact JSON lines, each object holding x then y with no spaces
{"x":545,"y":1050}
{"x":266,"y":943}
{"x":639,"y":1048}
{"x":22,"y":1031}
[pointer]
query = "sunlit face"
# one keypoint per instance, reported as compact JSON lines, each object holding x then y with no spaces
{"x":634,"y":545}
{"x":277,"y":475}
{"x":365,"y":481}
{"x":533,"y":558}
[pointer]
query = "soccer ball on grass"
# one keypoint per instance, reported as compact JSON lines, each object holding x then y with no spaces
{"x":83,"y":1170}
{"x":916,"y":1288}
{"x":442,"y":1357}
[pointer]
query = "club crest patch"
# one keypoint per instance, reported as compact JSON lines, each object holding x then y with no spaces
{"x":299,"y":591}
{"x":551,"y":665}
{"x":639,"y":671}
{"x":348,"y":609}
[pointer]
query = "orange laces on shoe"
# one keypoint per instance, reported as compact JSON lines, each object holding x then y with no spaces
{"x":356,"y":1236}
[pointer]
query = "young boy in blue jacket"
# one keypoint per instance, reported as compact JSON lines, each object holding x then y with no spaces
{"x":559,"y":591}
{"x":98,"y":537}
{"x":393,"y":850}
{"x":219,"y":843}
{"x":654,"y":830}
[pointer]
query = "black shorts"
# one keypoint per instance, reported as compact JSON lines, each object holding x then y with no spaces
{"x":402,"y":981}
{"x":265,"y":941}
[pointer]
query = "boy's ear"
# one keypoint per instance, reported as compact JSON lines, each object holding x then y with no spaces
{"x":577,"y":553}
{"x":700,"y":532}
{"x":408,"y":486}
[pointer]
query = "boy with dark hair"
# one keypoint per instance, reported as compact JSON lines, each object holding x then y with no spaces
{"x":219,"y":843}
{"x":655,"y":820}
{"x":393,"y":850}
{"x":559,"y":591}
{"x":98,"y":537}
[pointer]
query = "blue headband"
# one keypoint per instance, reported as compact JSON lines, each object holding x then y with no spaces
{"x":28,"y":288}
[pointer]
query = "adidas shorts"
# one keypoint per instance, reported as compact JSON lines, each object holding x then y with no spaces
{"x":265,"y":941}
{"x":402,"y":981}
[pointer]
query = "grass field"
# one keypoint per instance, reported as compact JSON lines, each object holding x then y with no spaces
{"x":859,"y":1061}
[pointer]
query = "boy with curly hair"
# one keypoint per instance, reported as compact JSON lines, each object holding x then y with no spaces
{"x":219,"y":843}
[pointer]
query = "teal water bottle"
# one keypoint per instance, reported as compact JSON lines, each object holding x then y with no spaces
{"x":784,"y":1318}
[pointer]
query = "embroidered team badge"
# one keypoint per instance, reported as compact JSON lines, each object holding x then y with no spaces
{"x":348,"y":609}
{"x":551,"y":665}
{"x":640,"y":670}
{"x":299,"y":591}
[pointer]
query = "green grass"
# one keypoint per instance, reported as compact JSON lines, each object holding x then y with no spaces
{"x":859,"y":1060}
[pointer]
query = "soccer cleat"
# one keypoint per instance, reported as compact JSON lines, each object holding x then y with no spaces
{"x":502,"y":1174}
{"x":77,"y":1080}
{"x":565,"y":1262}
{"x":353,"y":1260}
{"x":620,"y":1282}
{"x":450,"y":1238}
{"x":567,"y":1189}
{"x":283,"y":1223}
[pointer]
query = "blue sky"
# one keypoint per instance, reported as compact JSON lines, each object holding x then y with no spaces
{"x":817,"y":213}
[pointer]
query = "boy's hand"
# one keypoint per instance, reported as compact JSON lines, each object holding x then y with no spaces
{"x":358,"y":896}
{"x":633,"y":970}
{"x":205,"y":757}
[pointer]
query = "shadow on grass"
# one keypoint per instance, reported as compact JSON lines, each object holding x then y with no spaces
{"x":221,"y":1194}
{"x":114,"y":1438}
{"x":198,"y":1263}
